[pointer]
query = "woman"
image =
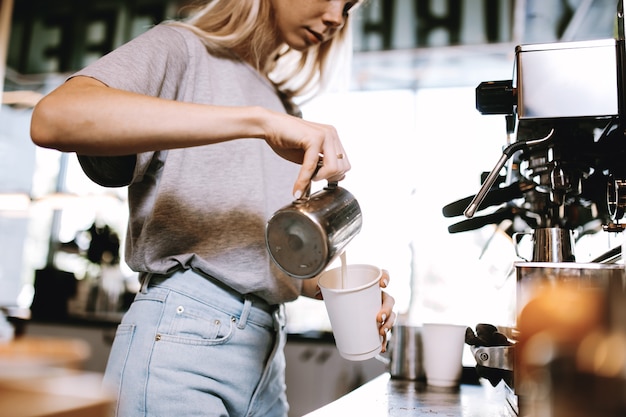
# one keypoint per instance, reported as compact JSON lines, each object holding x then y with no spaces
{"x":197,"y":118}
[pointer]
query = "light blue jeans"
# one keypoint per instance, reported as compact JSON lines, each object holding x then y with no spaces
{"x":189,"y":347}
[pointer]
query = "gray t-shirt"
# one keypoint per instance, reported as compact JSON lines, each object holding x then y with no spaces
{"x":204,"y":207}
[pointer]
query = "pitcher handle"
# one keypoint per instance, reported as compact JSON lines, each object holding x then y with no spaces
{"x":517,"y":238}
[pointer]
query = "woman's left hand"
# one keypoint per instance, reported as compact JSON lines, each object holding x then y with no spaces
{"x":385,"y":317}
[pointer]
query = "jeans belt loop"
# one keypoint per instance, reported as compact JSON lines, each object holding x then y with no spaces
{"x":247,"y":306}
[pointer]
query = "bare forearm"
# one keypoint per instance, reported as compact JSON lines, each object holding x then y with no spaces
{"x":89,"y":118}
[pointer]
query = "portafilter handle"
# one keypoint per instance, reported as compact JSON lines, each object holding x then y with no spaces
{"x":507,"y":153}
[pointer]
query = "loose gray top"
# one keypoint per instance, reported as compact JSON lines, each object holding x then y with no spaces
{"x":204,"y":207}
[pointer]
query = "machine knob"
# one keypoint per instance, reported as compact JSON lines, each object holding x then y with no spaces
{"x":496,"y":97}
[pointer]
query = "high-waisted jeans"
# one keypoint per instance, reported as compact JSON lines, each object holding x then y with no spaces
{"x":190,"y":347}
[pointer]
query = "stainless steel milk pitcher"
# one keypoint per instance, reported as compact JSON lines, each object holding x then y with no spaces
{"x":550,"y":244}
{"x":406,"y":353}
{"x":307,"y":235}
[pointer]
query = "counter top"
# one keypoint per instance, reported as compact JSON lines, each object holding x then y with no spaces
{"x":53,"y":392}
{"x":384,"y":396}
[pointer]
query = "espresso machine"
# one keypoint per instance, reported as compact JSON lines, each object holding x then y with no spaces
{"x":561,"y":174}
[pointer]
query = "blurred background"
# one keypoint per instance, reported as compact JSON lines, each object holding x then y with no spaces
{"x":408,"y":121}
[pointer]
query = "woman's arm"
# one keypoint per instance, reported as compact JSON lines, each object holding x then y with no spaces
{"x":85,"y":116}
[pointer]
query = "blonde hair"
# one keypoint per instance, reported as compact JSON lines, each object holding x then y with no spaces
{"x":236,"y":25}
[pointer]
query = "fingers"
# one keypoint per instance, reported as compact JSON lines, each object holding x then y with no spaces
{"x":317,"y":293}
{"x":302,"y":141}
{"x":330,"y":151}
{"x":311,"y":289}
{"x":386,"y":317}
{"x":309,"y":165}
{"x":336,"y":162}
{"x":384,"y":279}
{"x":384,"y":329}
{"x":333,"y":168}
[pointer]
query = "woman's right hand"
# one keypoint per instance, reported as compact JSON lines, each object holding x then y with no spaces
{"x":304,"y":142}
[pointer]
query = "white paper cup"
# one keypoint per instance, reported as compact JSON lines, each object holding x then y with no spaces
{"x":443,"y":353}
{"x":352,"y":309}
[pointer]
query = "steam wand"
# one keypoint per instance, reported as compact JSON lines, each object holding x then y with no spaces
{"x":507,"y":153}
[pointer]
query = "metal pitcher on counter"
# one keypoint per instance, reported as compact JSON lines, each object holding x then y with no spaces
{"x":307,"y":235}
{"x":405,"y":359}
{"x":550,"y":244}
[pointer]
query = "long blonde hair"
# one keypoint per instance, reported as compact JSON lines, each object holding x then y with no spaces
{"x":234,"y":25}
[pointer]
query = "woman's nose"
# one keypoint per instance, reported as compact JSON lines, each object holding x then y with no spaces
{"x":334,"y":15}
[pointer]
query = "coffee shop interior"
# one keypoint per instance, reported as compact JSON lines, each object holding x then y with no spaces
{"x":422,"y":139}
